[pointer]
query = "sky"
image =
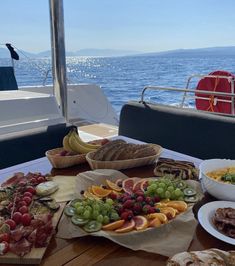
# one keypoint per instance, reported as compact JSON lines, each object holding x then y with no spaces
{"x":137,"y":25}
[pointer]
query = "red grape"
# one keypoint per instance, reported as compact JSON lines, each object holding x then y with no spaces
{"x":23,"y":209}
{"x":17,"y":217}
{"x":26,"y":219}
{"x":11,"y":223}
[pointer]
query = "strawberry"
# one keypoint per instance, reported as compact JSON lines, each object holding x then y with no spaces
{"x":128,"y":204}
{"x":140,"y":199}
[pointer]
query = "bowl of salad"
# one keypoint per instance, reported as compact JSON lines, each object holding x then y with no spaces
{"x":218,"y":178}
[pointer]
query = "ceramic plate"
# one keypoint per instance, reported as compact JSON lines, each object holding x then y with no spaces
{"x":205,"y":215}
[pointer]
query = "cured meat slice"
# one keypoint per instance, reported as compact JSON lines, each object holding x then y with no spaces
{"x":13,"y":180}
{"x":21,"y":247}
{"x":32,"y":236}
{"x":17,"y":234}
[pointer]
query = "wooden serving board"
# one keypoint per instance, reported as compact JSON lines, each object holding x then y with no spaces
{"x":36,"y":254}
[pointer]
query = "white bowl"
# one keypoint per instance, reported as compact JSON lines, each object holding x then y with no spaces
{"x":219,"y":190}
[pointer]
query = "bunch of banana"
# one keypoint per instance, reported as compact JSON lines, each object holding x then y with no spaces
{"x":73,"y":143}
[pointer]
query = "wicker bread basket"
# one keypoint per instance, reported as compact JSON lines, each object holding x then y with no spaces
{"x":58,"y":161}
{"x":124,"y":164}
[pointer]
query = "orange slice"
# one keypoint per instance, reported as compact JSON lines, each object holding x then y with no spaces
{"x":100,"y":192}
{"x":161,"y":217}
{"x":141,"y":222}
{"x":126,"y":227}
{"x":179,"y":205}
{"x":113,"y":186}
{"x":89,"y":195}
{"x":155,"y":222}
{"x":160,"y":205}
{"x":169,"y":212}
{"x":114,"y":225}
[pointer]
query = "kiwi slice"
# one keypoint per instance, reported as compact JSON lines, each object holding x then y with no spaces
{"x":73,"y":202}
{"x":53,"y":205}
{"x":77,"y":220}
{"x":189,"y":192}
{"x":92,"y":226}
{"x":181,"y":184}
{"x":69,"y":211}
{"x":191,"y":199}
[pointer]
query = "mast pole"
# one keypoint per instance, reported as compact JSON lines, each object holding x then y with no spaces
{"x":58,"y":54}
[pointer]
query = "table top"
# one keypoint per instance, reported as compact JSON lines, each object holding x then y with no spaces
{"x":100,"y":251}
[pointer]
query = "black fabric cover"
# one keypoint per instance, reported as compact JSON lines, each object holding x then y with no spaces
{"x":31,"y":144}
{"x":198,"y":134}
{"x":7,"y":79}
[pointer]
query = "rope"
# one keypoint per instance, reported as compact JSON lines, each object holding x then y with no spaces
{"x":212,"y":97}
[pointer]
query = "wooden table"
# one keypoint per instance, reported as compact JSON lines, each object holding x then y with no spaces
{"x":99,"y":251}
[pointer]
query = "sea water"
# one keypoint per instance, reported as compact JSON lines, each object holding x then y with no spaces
{"x":123,"y":78}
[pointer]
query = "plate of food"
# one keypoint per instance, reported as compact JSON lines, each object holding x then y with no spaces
{"x":218,"y":219}
{"x":130,"y":205}
{"x":28,"y":216}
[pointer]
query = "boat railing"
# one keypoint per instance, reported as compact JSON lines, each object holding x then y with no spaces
{"x":194,"y":94}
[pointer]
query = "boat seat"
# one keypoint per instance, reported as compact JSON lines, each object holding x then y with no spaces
{"x":7,"y":79}
{"x":30,"y":144}
{"x":196,"y":133}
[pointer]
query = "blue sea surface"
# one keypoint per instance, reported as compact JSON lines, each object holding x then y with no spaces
{"x":123,"y":78}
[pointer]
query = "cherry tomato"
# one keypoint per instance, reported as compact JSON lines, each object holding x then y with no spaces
{"x":26,"y":219}
{"x":22,"y":203}
{"x":33,"y":181}
{"x":27,"y":200}
{"x":11,"y":223}
{"x":17,"y":217}
{"x":41,"y":179}
{"x":5,"y":237}
{"x":23,"y":209}
{"x":31,"y":190}
{"x":28,"y":194}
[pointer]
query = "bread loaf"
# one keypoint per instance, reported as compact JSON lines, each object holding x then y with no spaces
{"x":206,"y":257}
{"x":120,"y":150}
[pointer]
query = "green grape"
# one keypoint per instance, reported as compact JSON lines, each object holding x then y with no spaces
{"x":106,"y":206}
{"x":170,"y":188}
{"x":78,"y":204}
{"x":167,"y":194}
{"x":162,"y":185}
{"x":104,"y":212}
{"x":86,"y":214}
{"x":95,"y":214}
{"x":151,"y":182}
{"x":114,"y":216}
{"x":109,"y":201}
{"x":181,"y":198}
{"x":178,"y":192}
{"x":88,"y":208}
{"x":79,"y":210}
{"x":96,"y":207}
{"x":154,"y":186}
{"x":100,"y":218}
{"x":160,"y":190}
{"x":106,"y":219}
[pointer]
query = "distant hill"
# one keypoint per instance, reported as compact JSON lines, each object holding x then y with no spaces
{"x":4,"y":53}
{"x":210,"y":51}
